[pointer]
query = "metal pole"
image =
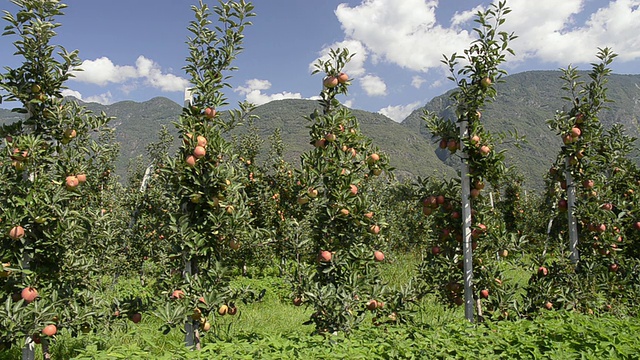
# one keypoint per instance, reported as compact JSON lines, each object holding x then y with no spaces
{"x":466,"y":226}
{"x":573,"y":226}
{"x":189,"y":337}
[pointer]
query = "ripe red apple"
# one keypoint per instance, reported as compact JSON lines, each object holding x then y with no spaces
{"x":443,"y":144}
{"x":374,"y":229}
{"x":82,"y":178}
{"x":297,"y":301}
{"x":29,"y":294}
{"x":372,"y":305}
{"x":324,"y":256}
{"x":232,"y":310}
{"x":330,"y":82}
{"x":601,"y":228}
{"x":70,"y":133}
{"x":378,"y":255}
{"x":484,"y":294}
{"x":191,"y":161}
{"x":440,"y":199}
{"x":177,"y":294}
{"x":543,"y":271}
{"x":344,"y":212}
{"x":435,"y":250}
{"x":567,"y":139}
{"x":474,"y":193}
{"x":369,"y":215}
{"x":49,"y":330}
{"x":136,"y":317}
{"x":636,"y":225}
{"x":452,"y":145}
{"x":202,"y":141}
{"x":485,"y":150}
{"x":353,"y":190}
{"x":503,"y":253}
{"x":343,"y":78}
{"x":199,"y":152}
{"x":210,"y":112}
{"x":575,"y":132}
{"x":613,"y":267}
{"x":71,"y":182}
{"x":588,"y":184}
{"x":548,"y":305}
{"x":313,"y":193}
{"x":563,"y":205}
{"x":330,"y":137}
{"x":320,"y":143}
{"x":16,"y":232}
{"x":233,"y":244}
{"x":475,"y":139}
{"x":607,"y":206}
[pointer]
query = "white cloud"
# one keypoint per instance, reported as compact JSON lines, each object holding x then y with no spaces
{"x":355,"y":67}
{"x":69,"y":92}
{"x":102,"y":71}
{"x":373,"y":85}
{"x":417,"y":81}
{"x":253,"y":92}
{"x":104,"y":99}
{"x":402,"y":32}
{"x":400,"y":112}
{"x":348,"y":103}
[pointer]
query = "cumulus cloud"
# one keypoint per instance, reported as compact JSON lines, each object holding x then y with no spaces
{"x":253,"y":92}
{"x":355,"y":67}
{"x":404,"y":32}
{"x":417,"y":81}
{"x":102,"y":71}
{"x":73,"y":93}
{"x":400,"y":112}
{"x":408,"y":34}
{"x":549,"y":30}
{"x":373,"y":85}
{"x":104,"y":99}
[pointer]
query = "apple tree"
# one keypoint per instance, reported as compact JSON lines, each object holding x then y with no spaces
{"x":51,"y":170}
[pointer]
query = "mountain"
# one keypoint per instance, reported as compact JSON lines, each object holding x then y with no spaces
{"x":524,"y":102}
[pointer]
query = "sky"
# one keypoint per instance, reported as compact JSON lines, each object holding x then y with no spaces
{"x":136,"y":49}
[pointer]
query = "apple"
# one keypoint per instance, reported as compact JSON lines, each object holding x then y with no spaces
{"x":607,"y":206}
{"x":235,"y":245}
{"x":191,"y":161}
{"x":374,"y":229}
{"x":136,"y":317}
{"x":202,"y":141}
{"x":373,"y":158}
{"x":223,"y":310}
{"x":440,"y":199}
{"x":199,"y":152}
{"x":344,"y":212}
{"x":452,"y":145}
{"x":443,"y":144}
{"x":563,"y":205}
{"x":232,"y":310}
{"x":543,"y":271}
{"x":372,"y":305}
{"x":210,"y":112}
{"x":588,"y":184}
{"x":458,"y":300}
{"x":303,"y":200}
{"x":478,"y":185}
{"x":82,"y":178}
{"x":71,"y":182}
{"x":613,"y":267}
{"x":330,"y":82}
{"x":206,"y":326}
{"x":369,"y":215}
{"x":229,"y":209}
{"x":70,"y":133}
{"x":313,"y":193}
{"x":35,"y":88}
{"x":324,"y":256}
{"x":435,"y":250}
{"x":485,"y":150}
{"x":575,"y":132}
{"x":29,"y":294}
{"x":567,"y":139}
{"x":636,"y":225}
{"x":430,"y":201}
{"x":455,"y":215}
{"x":16,"y":232}
{"x":486,"y":82}
{"x":378,"y":256}
{"x":503,"y":253}
{"x":343,"y":78}
{"x":330,"y":137}
{"x":320,"y":143}
{"x":579,"y":118}
{"x":297,"y":301}
{"x":484,"y":294}
{"x":49,"y":330}
{"x":377,"y":171}
{"x":177,"y":294}
{"x":474,"y":193}
{"x":475,"y":139}
{"x":601,"y":228}
{"x":548,"y":305}
{"x":353,"y":190}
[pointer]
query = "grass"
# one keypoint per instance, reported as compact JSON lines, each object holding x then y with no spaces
{"x":273,"y":329}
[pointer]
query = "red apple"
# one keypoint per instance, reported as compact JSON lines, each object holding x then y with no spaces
{"x":16,"y":232}
{"x":210,"y":112}
{"x":378,"y":255}
{"x":343,"y":78}
{"x":199,"y":152}
{"x":484,"y":294}
{"x":330,"y":82}
{"x":542,"y":271}
{"x":324,"y":256}
{"x":29,"y":294}
{"x":486,"y":82}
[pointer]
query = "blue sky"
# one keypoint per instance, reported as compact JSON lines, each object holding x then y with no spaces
{"x":135,"y":49}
